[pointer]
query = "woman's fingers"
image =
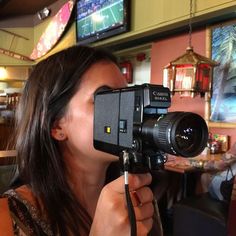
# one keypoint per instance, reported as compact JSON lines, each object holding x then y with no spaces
{"x":111,"y":216}
{"x":139,"y":180}
{"x":141,"y":196}
{"x":144,"y":212}
{"x":135,"y":182}
{"x":142,"y":199}
{"x":144,"y":227}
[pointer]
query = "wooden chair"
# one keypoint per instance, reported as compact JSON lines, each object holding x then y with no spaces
{"x":205,"y":216}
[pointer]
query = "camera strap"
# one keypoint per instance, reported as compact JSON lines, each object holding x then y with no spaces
{"x":131,"y":214}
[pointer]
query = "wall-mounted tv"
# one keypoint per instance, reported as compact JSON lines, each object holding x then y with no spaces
{"x":100,"y":19}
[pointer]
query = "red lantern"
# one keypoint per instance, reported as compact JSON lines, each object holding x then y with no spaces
{"x":189,"y":74}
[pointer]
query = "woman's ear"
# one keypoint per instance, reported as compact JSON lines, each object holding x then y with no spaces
{"x":57,"y":132}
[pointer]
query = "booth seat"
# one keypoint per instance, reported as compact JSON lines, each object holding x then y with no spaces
{"x":7,"y":168}
{"x":205,"y":216}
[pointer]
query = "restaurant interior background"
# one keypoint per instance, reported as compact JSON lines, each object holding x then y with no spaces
{"x":158,"y":33}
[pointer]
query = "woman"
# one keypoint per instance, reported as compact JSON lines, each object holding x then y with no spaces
{"x":220,"y":184}
{"x":65,"y":191}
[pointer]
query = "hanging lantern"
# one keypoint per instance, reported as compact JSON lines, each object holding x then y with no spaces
{"x":191,"y":73}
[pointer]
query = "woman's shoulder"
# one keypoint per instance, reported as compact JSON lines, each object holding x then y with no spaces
{"x":23,"y":208}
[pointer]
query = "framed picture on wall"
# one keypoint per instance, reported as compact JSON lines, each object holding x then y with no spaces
{"x":221,"y":41}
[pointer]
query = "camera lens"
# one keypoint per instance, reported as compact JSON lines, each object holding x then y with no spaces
{"x":178,"y":133}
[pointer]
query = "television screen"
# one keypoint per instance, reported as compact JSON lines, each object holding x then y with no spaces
{"x":100,"y":19}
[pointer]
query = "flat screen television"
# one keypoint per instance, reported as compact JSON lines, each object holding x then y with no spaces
{"x":100,"y":19}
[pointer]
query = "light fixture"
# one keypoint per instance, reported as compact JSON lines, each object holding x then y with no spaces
{"x":43,"y":14}
{"x":191,"y":73}
{"x":3,"y":73}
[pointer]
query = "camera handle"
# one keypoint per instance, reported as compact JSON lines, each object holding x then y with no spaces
{"x":126,"y":159}
{"x":142,"y":162}
{"x":126,"y":167}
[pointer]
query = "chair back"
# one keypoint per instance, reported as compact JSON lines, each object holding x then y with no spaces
{"x":232,"y":212}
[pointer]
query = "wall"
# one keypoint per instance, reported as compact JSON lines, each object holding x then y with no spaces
{"x":156,"y":16}
{"x":141,"y":64}
{"x":14,"y":79}
{"x":22,"y":45}
{"x":29,"y":29}
{"x":146,"y":19}
{"x":162,"y":52}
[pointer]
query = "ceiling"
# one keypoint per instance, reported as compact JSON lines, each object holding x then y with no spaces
{"x":16,"y":8}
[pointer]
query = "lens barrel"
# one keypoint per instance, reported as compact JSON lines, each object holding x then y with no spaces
{"x":178,"y":133}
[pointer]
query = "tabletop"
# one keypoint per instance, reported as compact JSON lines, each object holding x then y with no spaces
{"x":185,"y":165}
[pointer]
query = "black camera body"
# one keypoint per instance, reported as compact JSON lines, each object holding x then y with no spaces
{"x":136,"y":120}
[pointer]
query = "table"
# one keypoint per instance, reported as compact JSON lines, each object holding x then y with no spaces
{"x":179,"y":168}
{"x":186,"y":166}
{"x":7,"y":157}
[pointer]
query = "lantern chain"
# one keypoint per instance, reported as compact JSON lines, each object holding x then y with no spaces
{"x":190,"y":23}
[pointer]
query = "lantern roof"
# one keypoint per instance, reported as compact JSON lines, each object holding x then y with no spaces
{"x":192,"y":58}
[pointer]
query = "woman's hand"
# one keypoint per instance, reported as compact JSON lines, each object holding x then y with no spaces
{"x":111,"y":216}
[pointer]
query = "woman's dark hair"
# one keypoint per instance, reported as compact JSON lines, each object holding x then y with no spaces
{"x":47,"y":92}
